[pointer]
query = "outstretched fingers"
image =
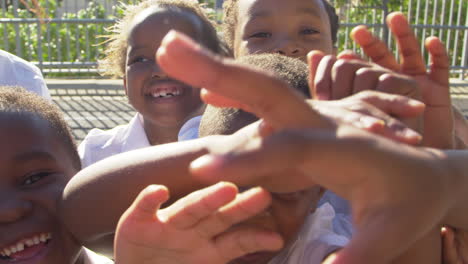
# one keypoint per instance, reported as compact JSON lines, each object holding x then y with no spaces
{"x":247,"y":240}
{"x":262,"y":93}
{"x":193,"y":208}
{"x":246,"y":205}
{"x":147,"y":203}
{"x":408,"y":45}
{"x":374,"y":48}
{"x":439,"y":68}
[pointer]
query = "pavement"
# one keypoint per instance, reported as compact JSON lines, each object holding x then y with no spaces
{"x":89,"y":104}
{"x":102,"y":104}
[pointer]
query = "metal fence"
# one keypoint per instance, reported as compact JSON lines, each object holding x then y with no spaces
{"x":63,"y":38}
{"x":446,"y":19}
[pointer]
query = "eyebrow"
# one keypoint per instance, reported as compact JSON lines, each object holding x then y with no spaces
{"x":34,"y":155}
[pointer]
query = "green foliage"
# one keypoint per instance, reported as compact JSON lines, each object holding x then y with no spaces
{"x":78,"y":42}
{"x":60,"y":42}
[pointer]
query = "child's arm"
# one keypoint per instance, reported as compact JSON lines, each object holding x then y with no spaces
{"x":195,"y":229}
{"x":96,"y":197}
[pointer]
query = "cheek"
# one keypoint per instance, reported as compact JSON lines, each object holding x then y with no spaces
{"x":47,"y":198}
{"x":253,"y":47}
{"x":322,"y":44}
{"x":135,"y":75}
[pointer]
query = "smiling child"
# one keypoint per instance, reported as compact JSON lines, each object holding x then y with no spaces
{"x":37,"y":160}
{"x":163,"y":104}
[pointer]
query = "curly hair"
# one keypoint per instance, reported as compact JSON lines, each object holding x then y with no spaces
{"x":14,"y":99}
{"x":230,"y":10}
{"x":113,"y":63}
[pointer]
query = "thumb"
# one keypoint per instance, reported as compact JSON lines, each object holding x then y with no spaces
{"x":148,"y":203}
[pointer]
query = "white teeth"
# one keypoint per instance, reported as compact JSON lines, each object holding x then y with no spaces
{"x":166,"y":93}
{"x":28,"y":242}
{"x":19,"y":247}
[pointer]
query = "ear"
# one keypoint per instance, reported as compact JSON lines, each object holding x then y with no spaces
{"x":125,"y":84}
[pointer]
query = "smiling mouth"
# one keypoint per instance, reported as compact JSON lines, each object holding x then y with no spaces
{"x":165,"y":89}
{"x":25,"y":248}
{"x":166,"y":93}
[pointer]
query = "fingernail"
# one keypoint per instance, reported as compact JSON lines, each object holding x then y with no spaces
{"x":413,"y":135}
{"x":170,"y":36}
{"x":370,"y":122}
{"x":416,"y":103}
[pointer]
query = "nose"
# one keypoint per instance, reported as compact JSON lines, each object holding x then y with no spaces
{"x":289,"y":47}
{"x":157,"y":72}
{"x":13,"y":208}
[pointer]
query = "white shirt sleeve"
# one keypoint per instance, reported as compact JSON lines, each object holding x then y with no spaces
{"x":15,"y":71}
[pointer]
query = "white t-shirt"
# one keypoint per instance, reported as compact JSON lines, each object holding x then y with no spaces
{"x":316,"y":240}
{"x":15,"y":71}
{"x":100,"y":144}
{"x":92,"y":258}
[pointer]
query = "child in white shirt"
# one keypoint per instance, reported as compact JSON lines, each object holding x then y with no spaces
{"x":163,"y":104}
{"x":15,"y":71}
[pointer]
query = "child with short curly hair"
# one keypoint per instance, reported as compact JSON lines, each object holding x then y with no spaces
{"x":163,"y":104}
{"x":37,"y":160}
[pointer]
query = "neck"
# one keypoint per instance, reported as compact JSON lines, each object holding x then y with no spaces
{"x":159,"y":134}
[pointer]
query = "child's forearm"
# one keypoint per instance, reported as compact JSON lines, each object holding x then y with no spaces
{"x":97,"y":196}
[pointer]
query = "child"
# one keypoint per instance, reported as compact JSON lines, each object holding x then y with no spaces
{"x":258,"y":26}
{"x":306,"y":232}
{"x":288,"y":211}
{"x":163,"y":104}
{"x":37,"y":160}
{"x":291,"y":28}
{"x":381,"y":208}
{"x":95,"y":187}
{"x":272,"y":111}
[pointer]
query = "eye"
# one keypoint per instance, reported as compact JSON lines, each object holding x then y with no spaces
{"x":261,"y":35}
{"x":35,"y":177}
{"x":308,"y":31}
{"x":139,"y":59}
